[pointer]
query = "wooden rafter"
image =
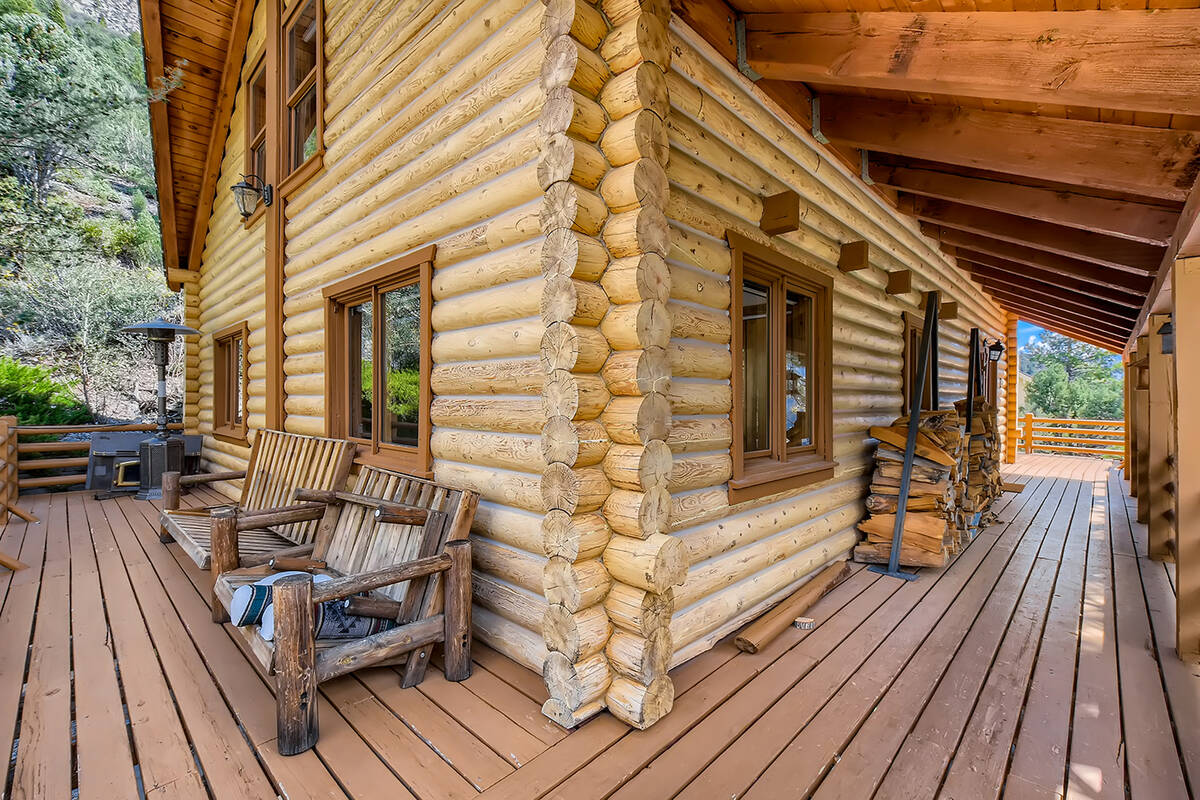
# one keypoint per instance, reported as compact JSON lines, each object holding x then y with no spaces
{"x":1136,"y":221}
{"x":1107,"y":251}
{"x":1081,"y":320}
{"x":1018,"y":274}
{"x":1050,"y":323}
{"x":1130,"y":60}
{"x":1040,"y":259}
{"x":160,"y":132}
{"x":1153,"y":162}
{"x":1103,"y":312}
{"x":230,"y":80}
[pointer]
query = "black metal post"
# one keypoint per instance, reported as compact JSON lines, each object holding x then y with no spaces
{"x":972,"y":380}
{"x":928,"y":354}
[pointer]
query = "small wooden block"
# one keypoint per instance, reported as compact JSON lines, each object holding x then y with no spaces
{"x":804,"y":623}
{"x":899,"y":282}
{"x":949,"y":310}
{"x":1015,"y":488}
{"x":854,"y":256}
{"x":780,"y":213}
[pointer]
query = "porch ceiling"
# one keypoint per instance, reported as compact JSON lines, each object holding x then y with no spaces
{"x":1051,"y":153}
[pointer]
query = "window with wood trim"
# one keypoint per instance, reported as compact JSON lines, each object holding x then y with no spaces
{"x":378,"y":362}
{"x":303,"y":82}
{"x":913,"y":328}
{"x":231,"y":367}
{"x":782,"y":372}
{"x":256,"y":128}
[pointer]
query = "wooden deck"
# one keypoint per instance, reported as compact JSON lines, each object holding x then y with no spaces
{"x":1039,"y":664}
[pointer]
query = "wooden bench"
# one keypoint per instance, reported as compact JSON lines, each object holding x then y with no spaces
{"x":391,"y":537}
{"x":280,"y":463}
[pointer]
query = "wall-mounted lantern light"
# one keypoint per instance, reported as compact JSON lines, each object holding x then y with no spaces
{"x":248,"y":191}
{"x":995,"y":351}
{"x":1166,"y":333}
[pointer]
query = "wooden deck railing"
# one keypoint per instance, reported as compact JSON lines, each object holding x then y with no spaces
{"x":1084,"y":437}
{"x":66,"y":460}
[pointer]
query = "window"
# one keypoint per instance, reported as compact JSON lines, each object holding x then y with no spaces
{"x":782,"y":372}
{"x":230,"y":377}
{"x":303,"y":89}
{"x":913,"y":328}
{"x":378,"y":363}
{"x":256,"y":128}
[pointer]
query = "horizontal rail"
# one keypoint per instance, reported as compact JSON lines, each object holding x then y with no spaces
{"x":51,"y":480}
{"x":1096,"y":437}
{"x":53,"y":430}
{"x":53,"y":447}
{"x":52,"y":463}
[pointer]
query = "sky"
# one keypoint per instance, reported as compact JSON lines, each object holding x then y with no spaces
{"x":1027,"y":331}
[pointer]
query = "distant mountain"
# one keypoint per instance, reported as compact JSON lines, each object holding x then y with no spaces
{"x":120,"y":16}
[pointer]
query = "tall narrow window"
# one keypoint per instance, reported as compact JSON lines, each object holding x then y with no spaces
{"x":303,"y":64}
{"x":378,"y":361}
{"x":256,"y":127}
{"x":913,"y":328}
{"x":230,"y":380}
{"x":782,"y":375}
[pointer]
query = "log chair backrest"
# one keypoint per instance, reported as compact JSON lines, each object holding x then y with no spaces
{"x":281,"y":463}
{"x":360,"y":544}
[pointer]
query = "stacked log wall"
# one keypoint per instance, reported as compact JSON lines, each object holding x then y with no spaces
{"x":729,"y":148}
{"x":229,"y":289}
{"x":432,"y":137}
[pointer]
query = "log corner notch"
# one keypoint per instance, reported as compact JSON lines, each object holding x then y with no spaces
{"x":610,"y":560}
{"x":780,"y":213}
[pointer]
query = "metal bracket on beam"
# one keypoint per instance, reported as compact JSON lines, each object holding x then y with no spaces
{"x":743,"y":65}
{"x":865,"y":168}
{"x":816,"y":121}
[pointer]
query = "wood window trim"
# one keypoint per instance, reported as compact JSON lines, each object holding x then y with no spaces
{"x":761,"y":476}
{"x":414,"y":268}
{"x":223,"y":427}
{"x":295,"y":177}
{"x":252,"y":134}
{"x":913,"y":322}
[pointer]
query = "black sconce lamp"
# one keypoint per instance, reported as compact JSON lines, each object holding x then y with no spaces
{"x":1166,"y":333}
{"x":995,"y":351}
{"x":248,"y":191}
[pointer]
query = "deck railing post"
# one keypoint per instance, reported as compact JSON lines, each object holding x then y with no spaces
{"x":1027,"y":433}
{"x":8,"y":465}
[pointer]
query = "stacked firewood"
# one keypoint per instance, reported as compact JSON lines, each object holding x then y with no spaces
{"x":982,"y":484}
{"x":931,"y":525}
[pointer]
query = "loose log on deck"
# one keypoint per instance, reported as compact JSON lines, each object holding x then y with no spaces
{"x":764,"y":630}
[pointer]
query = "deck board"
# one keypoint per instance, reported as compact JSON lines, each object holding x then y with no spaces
{"x":1039,"y":664}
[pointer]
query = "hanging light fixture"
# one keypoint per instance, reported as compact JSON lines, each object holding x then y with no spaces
{"x":1166,"y":333}
{"x":995,"y":351}
{"x":248,"y":191}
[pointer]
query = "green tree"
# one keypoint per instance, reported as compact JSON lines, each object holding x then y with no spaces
{"x":1070,"y":379}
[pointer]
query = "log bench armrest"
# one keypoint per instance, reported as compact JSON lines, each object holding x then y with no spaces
{"x":341,"y":588}
{"x":385,"y":510}
{"x":211,"y":477}
{"x":283,"y":515}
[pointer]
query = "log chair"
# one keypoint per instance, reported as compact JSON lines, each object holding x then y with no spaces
{"x":269,"y":520}
{"x":392,"y":537}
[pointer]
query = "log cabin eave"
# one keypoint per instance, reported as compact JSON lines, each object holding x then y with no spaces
{"x":1062,"y":168}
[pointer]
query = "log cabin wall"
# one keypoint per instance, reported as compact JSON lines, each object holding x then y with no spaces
{"x":432,"y":137}
{"x":229,"y":288}
{"x":730,"y":147}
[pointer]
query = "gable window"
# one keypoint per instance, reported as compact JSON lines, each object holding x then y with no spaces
{"x":303,"y":83}
{"x":913,"y":328}
{"x":230,"y":379}
{"x":378,"y":362}
{"x":782,"y":372}
{"x":256,"y":129}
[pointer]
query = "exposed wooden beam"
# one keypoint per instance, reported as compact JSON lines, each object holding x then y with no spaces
{"x":854,"y":256}
{"x":1018,"y":274}
{"x":1081,"y":320}
{"x":1136,"y":221}
{"x":1058,"y":326}
{"x":899,"y":282}
{"x":1153,"y":162}
{"x":1082,"y":305}
{"x":160,"y":134}
{"x":1107,"y":251}
{"x":1051,"y":262}
{"x":231,"y":74}
{"x":780,"y":213}
{"x":1130,"y":60}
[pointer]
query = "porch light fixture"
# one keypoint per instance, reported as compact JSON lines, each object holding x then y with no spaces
{"x":995,"y":351}
{"x":248,"y":191}
{"x":1166,"y":333}
{"x":161,"y":452}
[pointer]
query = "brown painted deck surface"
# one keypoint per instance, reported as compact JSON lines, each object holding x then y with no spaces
{"x":1041,"y":658}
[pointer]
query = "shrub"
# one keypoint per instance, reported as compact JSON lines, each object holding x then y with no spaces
{"x":35,"y":397}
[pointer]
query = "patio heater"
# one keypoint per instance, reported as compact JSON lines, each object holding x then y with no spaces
{"x":161,"y":452}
